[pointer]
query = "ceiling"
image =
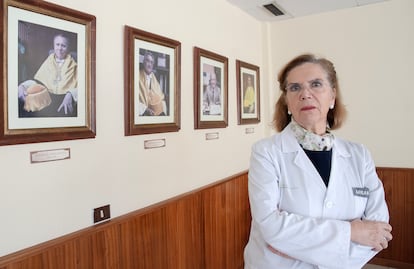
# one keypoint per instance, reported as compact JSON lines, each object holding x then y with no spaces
{"x":295,"y":8}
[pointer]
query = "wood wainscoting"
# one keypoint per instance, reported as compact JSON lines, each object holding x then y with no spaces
{"x":206,"y":228}
{"x":203,"y":229}
{"x":399,"y":193}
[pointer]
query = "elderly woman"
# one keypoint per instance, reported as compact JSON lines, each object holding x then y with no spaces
{"x":316,"y":200}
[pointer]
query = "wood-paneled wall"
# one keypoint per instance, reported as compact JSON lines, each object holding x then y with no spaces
{"x":204,"y":229}
{"x":207,"y":228}
{"x":399,"y":193}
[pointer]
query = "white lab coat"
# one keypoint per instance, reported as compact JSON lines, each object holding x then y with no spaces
{"x":294,"y":212}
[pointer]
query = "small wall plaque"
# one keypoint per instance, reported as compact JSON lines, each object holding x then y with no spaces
{"x":249,"y":130}
{"x":155,"y":143}
{"x":211,"y":136}
{"x":49,"y":155}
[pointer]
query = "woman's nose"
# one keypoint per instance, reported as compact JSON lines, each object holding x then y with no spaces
{"x":305,"y":93}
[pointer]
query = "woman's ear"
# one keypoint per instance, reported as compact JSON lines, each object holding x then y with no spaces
{"x":334,"y":93}
{"x":286,"y":103}
{"x":333,"y":98}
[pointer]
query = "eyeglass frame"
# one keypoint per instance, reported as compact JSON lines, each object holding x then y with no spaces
{"x":310,"y":86}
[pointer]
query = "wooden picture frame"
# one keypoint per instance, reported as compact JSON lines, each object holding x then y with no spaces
{"x":248,"y":93}
{"x":210,"y":89}
{"x":39,"y":103}
{"x":152,"y":83}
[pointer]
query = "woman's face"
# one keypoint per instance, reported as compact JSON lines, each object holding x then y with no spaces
{"x":309,"y":96}
{"x":60,"y":45}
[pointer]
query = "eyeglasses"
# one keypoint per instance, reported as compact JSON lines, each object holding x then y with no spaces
{"x":315,"y":85}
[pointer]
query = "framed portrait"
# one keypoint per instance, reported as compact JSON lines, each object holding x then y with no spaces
{"x":48,"y":73}
{"x":152,"y":83}
{"x":210,"y":89}
{"x":248,"y":93}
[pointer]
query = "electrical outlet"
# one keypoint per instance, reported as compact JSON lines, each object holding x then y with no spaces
{"x":101,"y":213}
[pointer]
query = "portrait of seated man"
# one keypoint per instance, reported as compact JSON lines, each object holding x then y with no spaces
{"x":52,"y":92}
{"x":249,"y":96}
{"x":151,"y":96}
{"x":212,"y":97}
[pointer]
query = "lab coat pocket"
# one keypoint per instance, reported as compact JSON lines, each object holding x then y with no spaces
{"x":289,"y":196}
{"x":360,"y":204}
{"x":360,"y":199}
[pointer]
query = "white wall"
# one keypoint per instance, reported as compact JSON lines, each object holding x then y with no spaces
{"x":372,"y":48}
{"x":39,"y":202}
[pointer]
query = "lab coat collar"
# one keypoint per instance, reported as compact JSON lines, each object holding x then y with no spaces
{"x":290,"y":144}
{"x":288,"y":140}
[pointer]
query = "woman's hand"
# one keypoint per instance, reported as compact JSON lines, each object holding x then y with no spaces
{"x":375,"y":234}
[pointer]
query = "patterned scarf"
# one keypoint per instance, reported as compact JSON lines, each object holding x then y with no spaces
{"x":311,"y":141}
